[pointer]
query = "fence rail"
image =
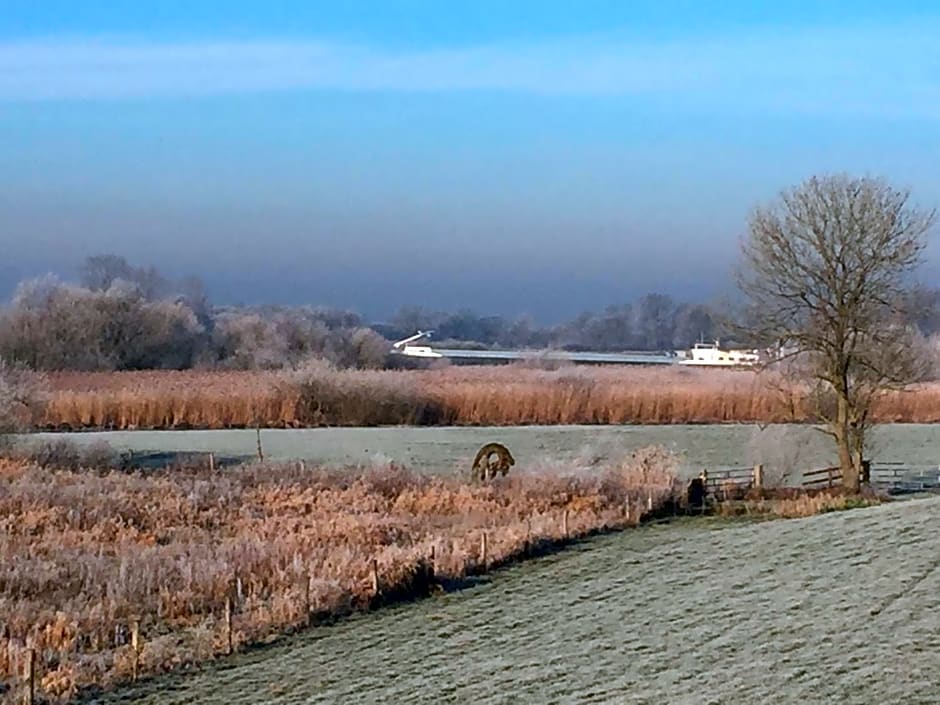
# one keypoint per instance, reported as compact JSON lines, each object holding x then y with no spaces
{"x":824,"y":477}
{"x":896,"y":477}
{"x":726,"y":482}
{"x":899,"y":478}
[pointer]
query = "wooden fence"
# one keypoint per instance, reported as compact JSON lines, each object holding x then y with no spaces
{"x":901,"y":478}
{"x":822,"y":478}
{"x":894,"y":477}
{"x":728,"y":482}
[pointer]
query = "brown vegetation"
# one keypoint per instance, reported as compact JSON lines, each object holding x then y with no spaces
{"x":795,"y":503}
{"x":20,"y":395}
{"x":86,"y":555}
{"x":514,"y":395}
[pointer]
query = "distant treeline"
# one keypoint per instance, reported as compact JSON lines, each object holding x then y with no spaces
{"x":654,"y":322}
{"x":122,"y":317}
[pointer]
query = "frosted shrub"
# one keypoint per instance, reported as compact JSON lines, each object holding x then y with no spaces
{"x":20,"y":398}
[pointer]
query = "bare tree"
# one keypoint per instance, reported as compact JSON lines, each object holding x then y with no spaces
{"x":99,"y":272}
{"x":693,"y":323}
{"x":827,"y":272}
{"x":655,"y":321}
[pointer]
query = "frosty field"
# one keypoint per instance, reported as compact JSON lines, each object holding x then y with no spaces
{"x":450,"y":450}
{"x":839,"y":608}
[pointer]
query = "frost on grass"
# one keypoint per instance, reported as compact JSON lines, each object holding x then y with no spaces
{"x":85,"y":554}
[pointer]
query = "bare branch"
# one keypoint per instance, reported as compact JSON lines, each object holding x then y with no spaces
{"x":827,"y":270}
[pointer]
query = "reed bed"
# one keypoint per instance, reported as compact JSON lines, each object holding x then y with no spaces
{"x":486,"y":396}
{"x":86,"y":555}
{"x":168,"y":399}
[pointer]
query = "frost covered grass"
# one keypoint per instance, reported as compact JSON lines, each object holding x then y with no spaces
{"x":85,"y":554}
{"x":842,"y":608}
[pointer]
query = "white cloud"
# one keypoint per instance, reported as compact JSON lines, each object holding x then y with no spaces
{"x":893,"y":71}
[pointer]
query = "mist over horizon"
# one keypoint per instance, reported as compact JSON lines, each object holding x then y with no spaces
{"x":531,"y":160}
{"x":520,"y":294}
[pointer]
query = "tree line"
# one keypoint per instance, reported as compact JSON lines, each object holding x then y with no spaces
{"x":654,"y":322}
{"x":123,"y":317}
{"x":119,"y":316}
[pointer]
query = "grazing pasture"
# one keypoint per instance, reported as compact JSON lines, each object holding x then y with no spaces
{"x":449,"y":451}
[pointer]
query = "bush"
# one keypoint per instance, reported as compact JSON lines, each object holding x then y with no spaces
{"x":327,"y":396}
{"x":21,"y":398}
{"x":64,"y":454}
{"x":54,"y":326}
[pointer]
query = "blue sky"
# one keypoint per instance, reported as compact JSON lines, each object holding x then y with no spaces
{"x":512,"y":157}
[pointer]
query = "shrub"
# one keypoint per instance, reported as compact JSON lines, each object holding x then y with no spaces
{"x":21,"y":399}
{"x":64,"y":454}
{"x":327,"y":396}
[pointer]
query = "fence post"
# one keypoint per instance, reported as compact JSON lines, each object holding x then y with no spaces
{"x":260,"y":451}
{"x":31,"y":677}
{"x":704,"y":477}
{"x":307,"y":599}
{"x":432,"y":565}
{"x":564,"y":524}
{"x":374,"y":577}
{"x":211,"y":462}
{"x":228,"y":623}
{"x":135,"y":645}
{"x":649,"y":502}
{"x":866,"y":472}
{"x":758,"y":477}
{"x":483,"y":550}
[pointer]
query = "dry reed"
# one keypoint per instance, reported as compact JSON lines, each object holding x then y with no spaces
{"x":794,"y":504}
{"x":86,"y":555}
{"x":490,"y":396}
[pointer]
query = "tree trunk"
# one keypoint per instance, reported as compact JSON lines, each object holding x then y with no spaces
{"x":847,"y":465}
{"x":844,"y":443}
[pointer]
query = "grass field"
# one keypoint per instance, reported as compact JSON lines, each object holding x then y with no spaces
{"x":476,"y":396}
{"x":838,"y":608}
{"x":86,"y":555}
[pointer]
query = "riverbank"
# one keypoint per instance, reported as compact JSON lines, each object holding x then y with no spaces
{"x":463,"y":396}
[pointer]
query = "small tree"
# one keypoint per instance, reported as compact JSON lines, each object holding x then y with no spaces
{"x":827,"y":273}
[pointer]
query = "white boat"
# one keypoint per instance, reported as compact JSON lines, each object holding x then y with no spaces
{"x":407,"y":348}
{"x":711,"y":355}
{"x":701,"y":354}
{"x":404,"y":347}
